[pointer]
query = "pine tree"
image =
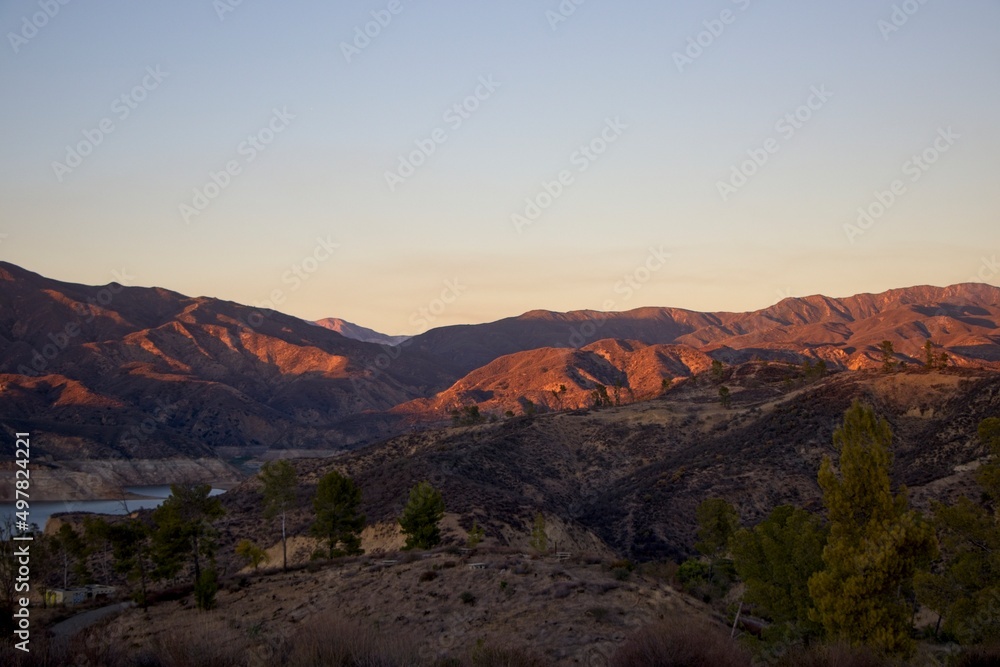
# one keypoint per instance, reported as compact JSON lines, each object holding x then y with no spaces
{"x":965,"y":588}
{"x":876,"y":542}
{"x":421,"y":516}
{"x":131,"y":549}
{"x":930,"y":359}
{"x":888,"y":356}
{"x":717,"y":523}
{"x":600,"y":396}
{"x":725,"y":397}
{"x":72,"y":552}
{"x":775,"y":560}
{"x":338,"y":518}
{"x":183,"y":529}
{"x":279,"y":480}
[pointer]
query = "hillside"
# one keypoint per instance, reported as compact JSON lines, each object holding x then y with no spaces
{"x":563,"y":378}
{"x":961,"y":319}
{"x":111,"y":379}
{"x":631,"y":477}
{"x":117,"y":374}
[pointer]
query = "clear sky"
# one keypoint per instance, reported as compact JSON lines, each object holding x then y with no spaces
{"x":94,"y":182}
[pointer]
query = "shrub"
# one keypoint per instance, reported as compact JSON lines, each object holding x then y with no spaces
{"x":983,"y":656}
{"x":467,"y":598}
{"x":205,"y":589}
{"x":681,"y":642}
{"x":693,"y":572}
{"x":832,"y":655}
{"x":428,"y":575}
{"x":328,"y":640}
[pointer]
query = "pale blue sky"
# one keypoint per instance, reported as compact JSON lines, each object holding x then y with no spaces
{"x":323,"y":176}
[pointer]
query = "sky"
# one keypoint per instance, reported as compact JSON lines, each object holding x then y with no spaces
{"x":405,"y":164}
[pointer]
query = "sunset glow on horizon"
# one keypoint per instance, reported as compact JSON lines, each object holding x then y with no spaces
{"x":370,"y":160}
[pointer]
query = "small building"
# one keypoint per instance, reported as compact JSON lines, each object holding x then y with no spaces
{"x":71,"y":597}
{"x":65,"y":597}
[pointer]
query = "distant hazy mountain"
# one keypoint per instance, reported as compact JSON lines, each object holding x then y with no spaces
{"x":358,"y":332}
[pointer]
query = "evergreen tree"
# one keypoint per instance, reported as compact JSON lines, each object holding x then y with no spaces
{"x":888,"y":356}
{"x":775,"y":560}
{"x":718,"y":370}
{"x":183,"y":529}
{"x":421,"y":516}
{"x":965,"y":588}
{"x":131,"y":548}
{"x":600,"y":396}
{"x":279,"y":480}
{"x":72,"y":552}
{"x":95,"y":534}
{"x":930,"y":359}
{"x":717,"y":523}
{"x":338,"y":517}
{"x":725,"y":397}
{"x":205,"y":589}
{"x":876,"y":542}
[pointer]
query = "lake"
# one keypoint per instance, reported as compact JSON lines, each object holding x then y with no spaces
{"x":40,"y":511}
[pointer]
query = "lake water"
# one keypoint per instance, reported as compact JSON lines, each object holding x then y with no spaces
{"x":40,"y":511}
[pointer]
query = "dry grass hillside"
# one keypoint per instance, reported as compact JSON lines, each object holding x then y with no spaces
{"x":442,"y":606}
{"x":631,"y":477}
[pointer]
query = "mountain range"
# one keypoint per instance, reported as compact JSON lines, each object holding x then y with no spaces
{"x":109,"y":378}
